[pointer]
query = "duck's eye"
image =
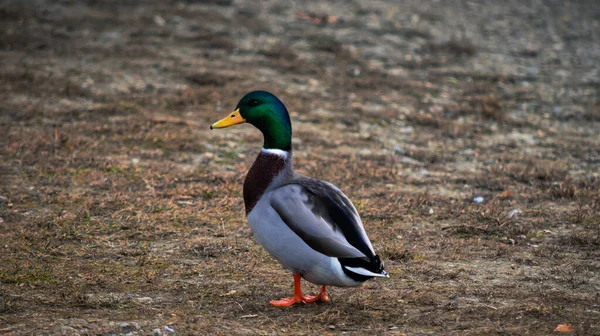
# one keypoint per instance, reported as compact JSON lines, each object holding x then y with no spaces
{"x":253,"y":102}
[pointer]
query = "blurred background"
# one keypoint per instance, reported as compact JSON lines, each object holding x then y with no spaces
{"x":466,"y":132}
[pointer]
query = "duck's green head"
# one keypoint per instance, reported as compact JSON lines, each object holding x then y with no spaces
{"x":267,"y":113}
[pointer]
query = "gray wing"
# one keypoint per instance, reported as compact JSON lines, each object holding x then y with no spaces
{"x":308,"y":215}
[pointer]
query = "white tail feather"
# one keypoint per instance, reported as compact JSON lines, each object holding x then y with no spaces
{"x":366,"y":272}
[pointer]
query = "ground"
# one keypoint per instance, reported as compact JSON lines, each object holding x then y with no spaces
{"x":466,"y":133}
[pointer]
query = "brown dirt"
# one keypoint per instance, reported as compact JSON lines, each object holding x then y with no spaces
{"x":122,"y":213}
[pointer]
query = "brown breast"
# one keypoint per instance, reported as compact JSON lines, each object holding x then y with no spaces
{"x":265,"y":168}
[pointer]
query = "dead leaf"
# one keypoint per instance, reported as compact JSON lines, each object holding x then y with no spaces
{"x":231,"y":292}
{"x":332,"y":19}
{"x":316,"y":18}
{"x":301,"y":15}
{"x":564,"y":328}
{"x":505,"y":194}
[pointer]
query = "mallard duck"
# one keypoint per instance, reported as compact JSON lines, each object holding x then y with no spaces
{"x":308,"y":225}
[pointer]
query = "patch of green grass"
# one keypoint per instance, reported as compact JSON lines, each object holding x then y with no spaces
{"x":115,"y":170}
{"x":25,"y":272}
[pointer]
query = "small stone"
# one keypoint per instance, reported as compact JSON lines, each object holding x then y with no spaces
{"x":406,"y":130}
{"x":144,"y":299}
{"x":124,"y":325}
{"x":331,"y":327}
{"x":533,"y":71}
{"x":111,"y":36}
{"x":424,"y":172}
{"x":135,"y":161}
{"x":156,"y":332}
{"x":556,"y":110}
{"x":478,"y":199}
{"x":431,"y":211}
{"x":159,"y":20}
{"x":562,"y":73}
{"x":169,"y":330}
{"x":410,"y":161}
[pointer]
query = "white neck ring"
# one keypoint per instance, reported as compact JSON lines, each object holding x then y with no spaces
{"x":274,"y":151}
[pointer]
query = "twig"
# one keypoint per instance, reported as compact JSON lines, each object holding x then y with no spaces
{"x":465,"y":229}
{"x":173,"y":120}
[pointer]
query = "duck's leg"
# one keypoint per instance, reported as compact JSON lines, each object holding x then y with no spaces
{"x":322,"y":296}
{"x":298,"y":298}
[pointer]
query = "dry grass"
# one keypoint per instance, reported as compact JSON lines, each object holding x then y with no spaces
{"x":491,"y":108}
{"x":457,"y":47}
{"x":565,"y":189}
{"x":120,"y":212}
{"x":592,"y":112}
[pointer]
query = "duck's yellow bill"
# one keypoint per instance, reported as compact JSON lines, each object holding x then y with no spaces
{"x":232,"y":119}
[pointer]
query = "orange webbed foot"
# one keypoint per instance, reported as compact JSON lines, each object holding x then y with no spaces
{"x":286,"y":302}
{"x":298,"y":297}
{"x":322,"y":296}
